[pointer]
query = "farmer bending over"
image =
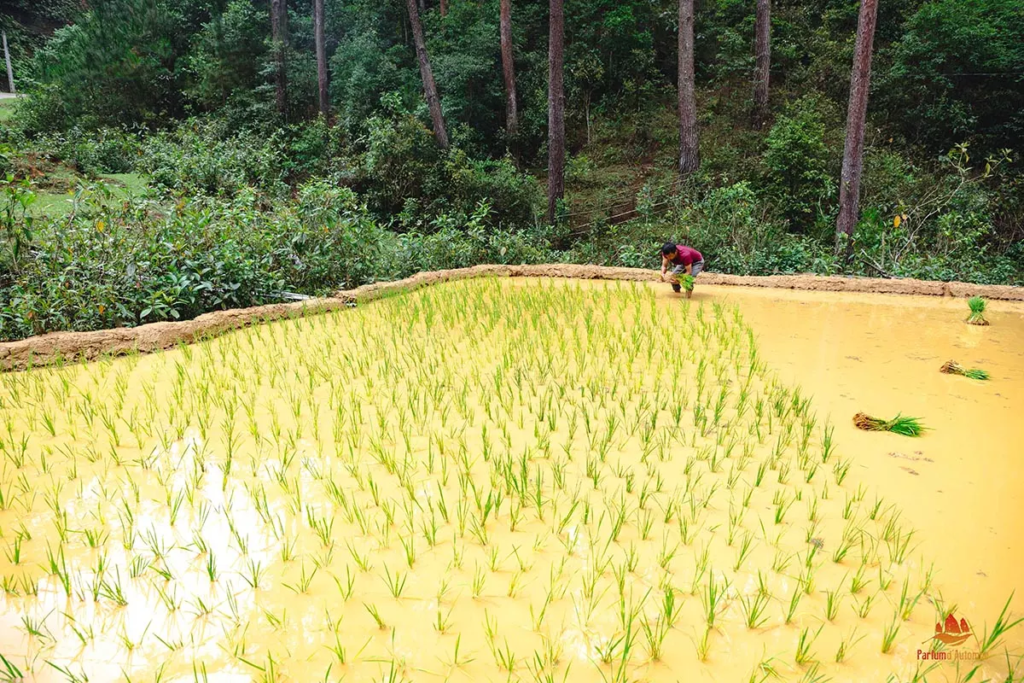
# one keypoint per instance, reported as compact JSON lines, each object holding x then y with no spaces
{"x":684,"y":261}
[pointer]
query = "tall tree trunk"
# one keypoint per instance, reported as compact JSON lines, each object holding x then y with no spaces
{"x":508,"y":70}
{"x":763,"y":60}
{"x":429,"y":87}
{"x":10,"y":71}
{"x":556,"y":108}
{"x":444,"y":8}
{"x":853,"y":153}
{"x":689,"y":144}
{"x":279,"y":34}
{"x":321,"y":57}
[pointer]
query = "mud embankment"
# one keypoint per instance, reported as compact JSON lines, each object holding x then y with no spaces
{"x":72,"y":346}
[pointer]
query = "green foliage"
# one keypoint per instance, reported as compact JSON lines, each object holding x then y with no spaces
{"x":17,"y":226}
{"x":131,"y":263}
{"x":246,"y":203}
{"x":735,"y":234}
{"x":956,"y":75}
{"x":114,"y":67}
{"x":226,"y":55}
{"x":202,"y":157}
{"x":402,"y":172}
{"x":106,"y":150}
{"x":799,"y":176}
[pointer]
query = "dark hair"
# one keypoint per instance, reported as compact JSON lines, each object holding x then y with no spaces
{"x":669,"y":248}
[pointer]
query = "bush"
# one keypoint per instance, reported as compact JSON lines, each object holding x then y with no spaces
{"x":200,"y":157}
{"x":402,"y":172}
{"x":130,"y":264}
{"x":113,"y":67}
{"x":107,"y":150}
{"x":798,"y":176}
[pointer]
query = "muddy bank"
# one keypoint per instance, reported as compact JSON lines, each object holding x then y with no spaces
{"x":49,"y":348}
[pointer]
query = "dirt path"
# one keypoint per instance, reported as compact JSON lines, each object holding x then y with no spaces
{"x":50,"y":348}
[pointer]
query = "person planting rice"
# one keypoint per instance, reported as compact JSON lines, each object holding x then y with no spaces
{"x":686,"y":264}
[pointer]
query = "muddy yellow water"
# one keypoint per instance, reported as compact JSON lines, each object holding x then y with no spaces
{"x":520,"y":480}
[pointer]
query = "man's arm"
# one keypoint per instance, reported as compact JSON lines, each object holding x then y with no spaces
{"x":664,"y":266}
{"x":689,"y":268}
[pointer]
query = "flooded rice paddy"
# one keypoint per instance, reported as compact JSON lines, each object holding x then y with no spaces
{"x":521,"y":480}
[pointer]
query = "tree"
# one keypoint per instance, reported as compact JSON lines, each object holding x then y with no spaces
{"x":508,"y":69}
{"x":956,"y":76}
{"x":853,"y":152}
{"x":429,"y":87}
{"x":321,"y":56}
{"x":762,"y":59}
{"x":279,"y":34}
{"x":689,"y":144}
{"x":556,"y":107}
{"x":444,"y":8}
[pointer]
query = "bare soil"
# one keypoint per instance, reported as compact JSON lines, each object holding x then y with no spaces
{"x":69,"y":346}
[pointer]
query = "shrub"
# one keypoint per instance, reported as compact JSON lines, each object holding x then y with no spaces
{"x":797,"y":173}
{"x":200,"y":157}
{"x":113,"y":67}
{"x":106,"y":266}
{"x":107,"y":150}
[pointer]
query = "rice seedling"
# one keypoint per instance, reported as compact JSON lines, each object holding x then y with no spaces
{"x":953,"y":368}
{"x":331,"y":431}
{"x":10,"y":672}
{"x":803,"y":646}
{"x":991,"y":637}
{"x":704,"y":645}
{"x":906,"y":426}
{"x":753,"y":607}
{"x":833,"y":599}
{"x":890,"y":633}
{"x":794,"y":602}
{"x":373,"y":611}
{"x":977,"y":311}
{"x":847,"y":644}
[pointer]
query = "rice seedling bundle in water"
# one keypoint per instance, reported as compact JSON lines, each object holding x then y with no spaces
{"x":977,"y":307}
{"x":953,"y":368}
{"x":907,"y":426}
{"x":490,"y":479}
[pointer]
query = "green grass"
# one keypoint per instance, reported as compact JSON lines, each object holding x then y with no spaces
{"x":52,"y":202}
{"x":6,"y":110}
{"x":126,"y":183}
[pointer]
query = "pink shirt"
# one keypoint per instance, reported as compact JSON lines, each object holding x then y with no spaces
{"x":686,"y":255}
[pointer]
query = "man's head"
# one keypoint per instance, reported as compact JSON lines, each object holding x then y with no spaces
{"x":668,"y":250}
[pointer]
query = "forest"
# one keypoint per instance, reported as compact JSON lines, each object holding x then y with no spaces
{"x":171,"y":157}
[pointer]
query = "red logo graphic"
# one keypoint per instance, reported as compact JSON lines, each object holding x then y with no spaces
{"x":954,"y":632}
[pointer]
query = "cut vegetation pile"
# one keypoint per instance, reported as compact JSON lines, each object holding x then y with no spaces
{"x":491,"y":479}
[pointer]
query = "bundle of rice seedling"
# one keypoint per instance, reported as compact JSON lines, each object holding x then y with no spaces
{"x":687,"y":283}
{"x":907,"y":426}
{"x":977,"y":306}
{"x":953,"y":368}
